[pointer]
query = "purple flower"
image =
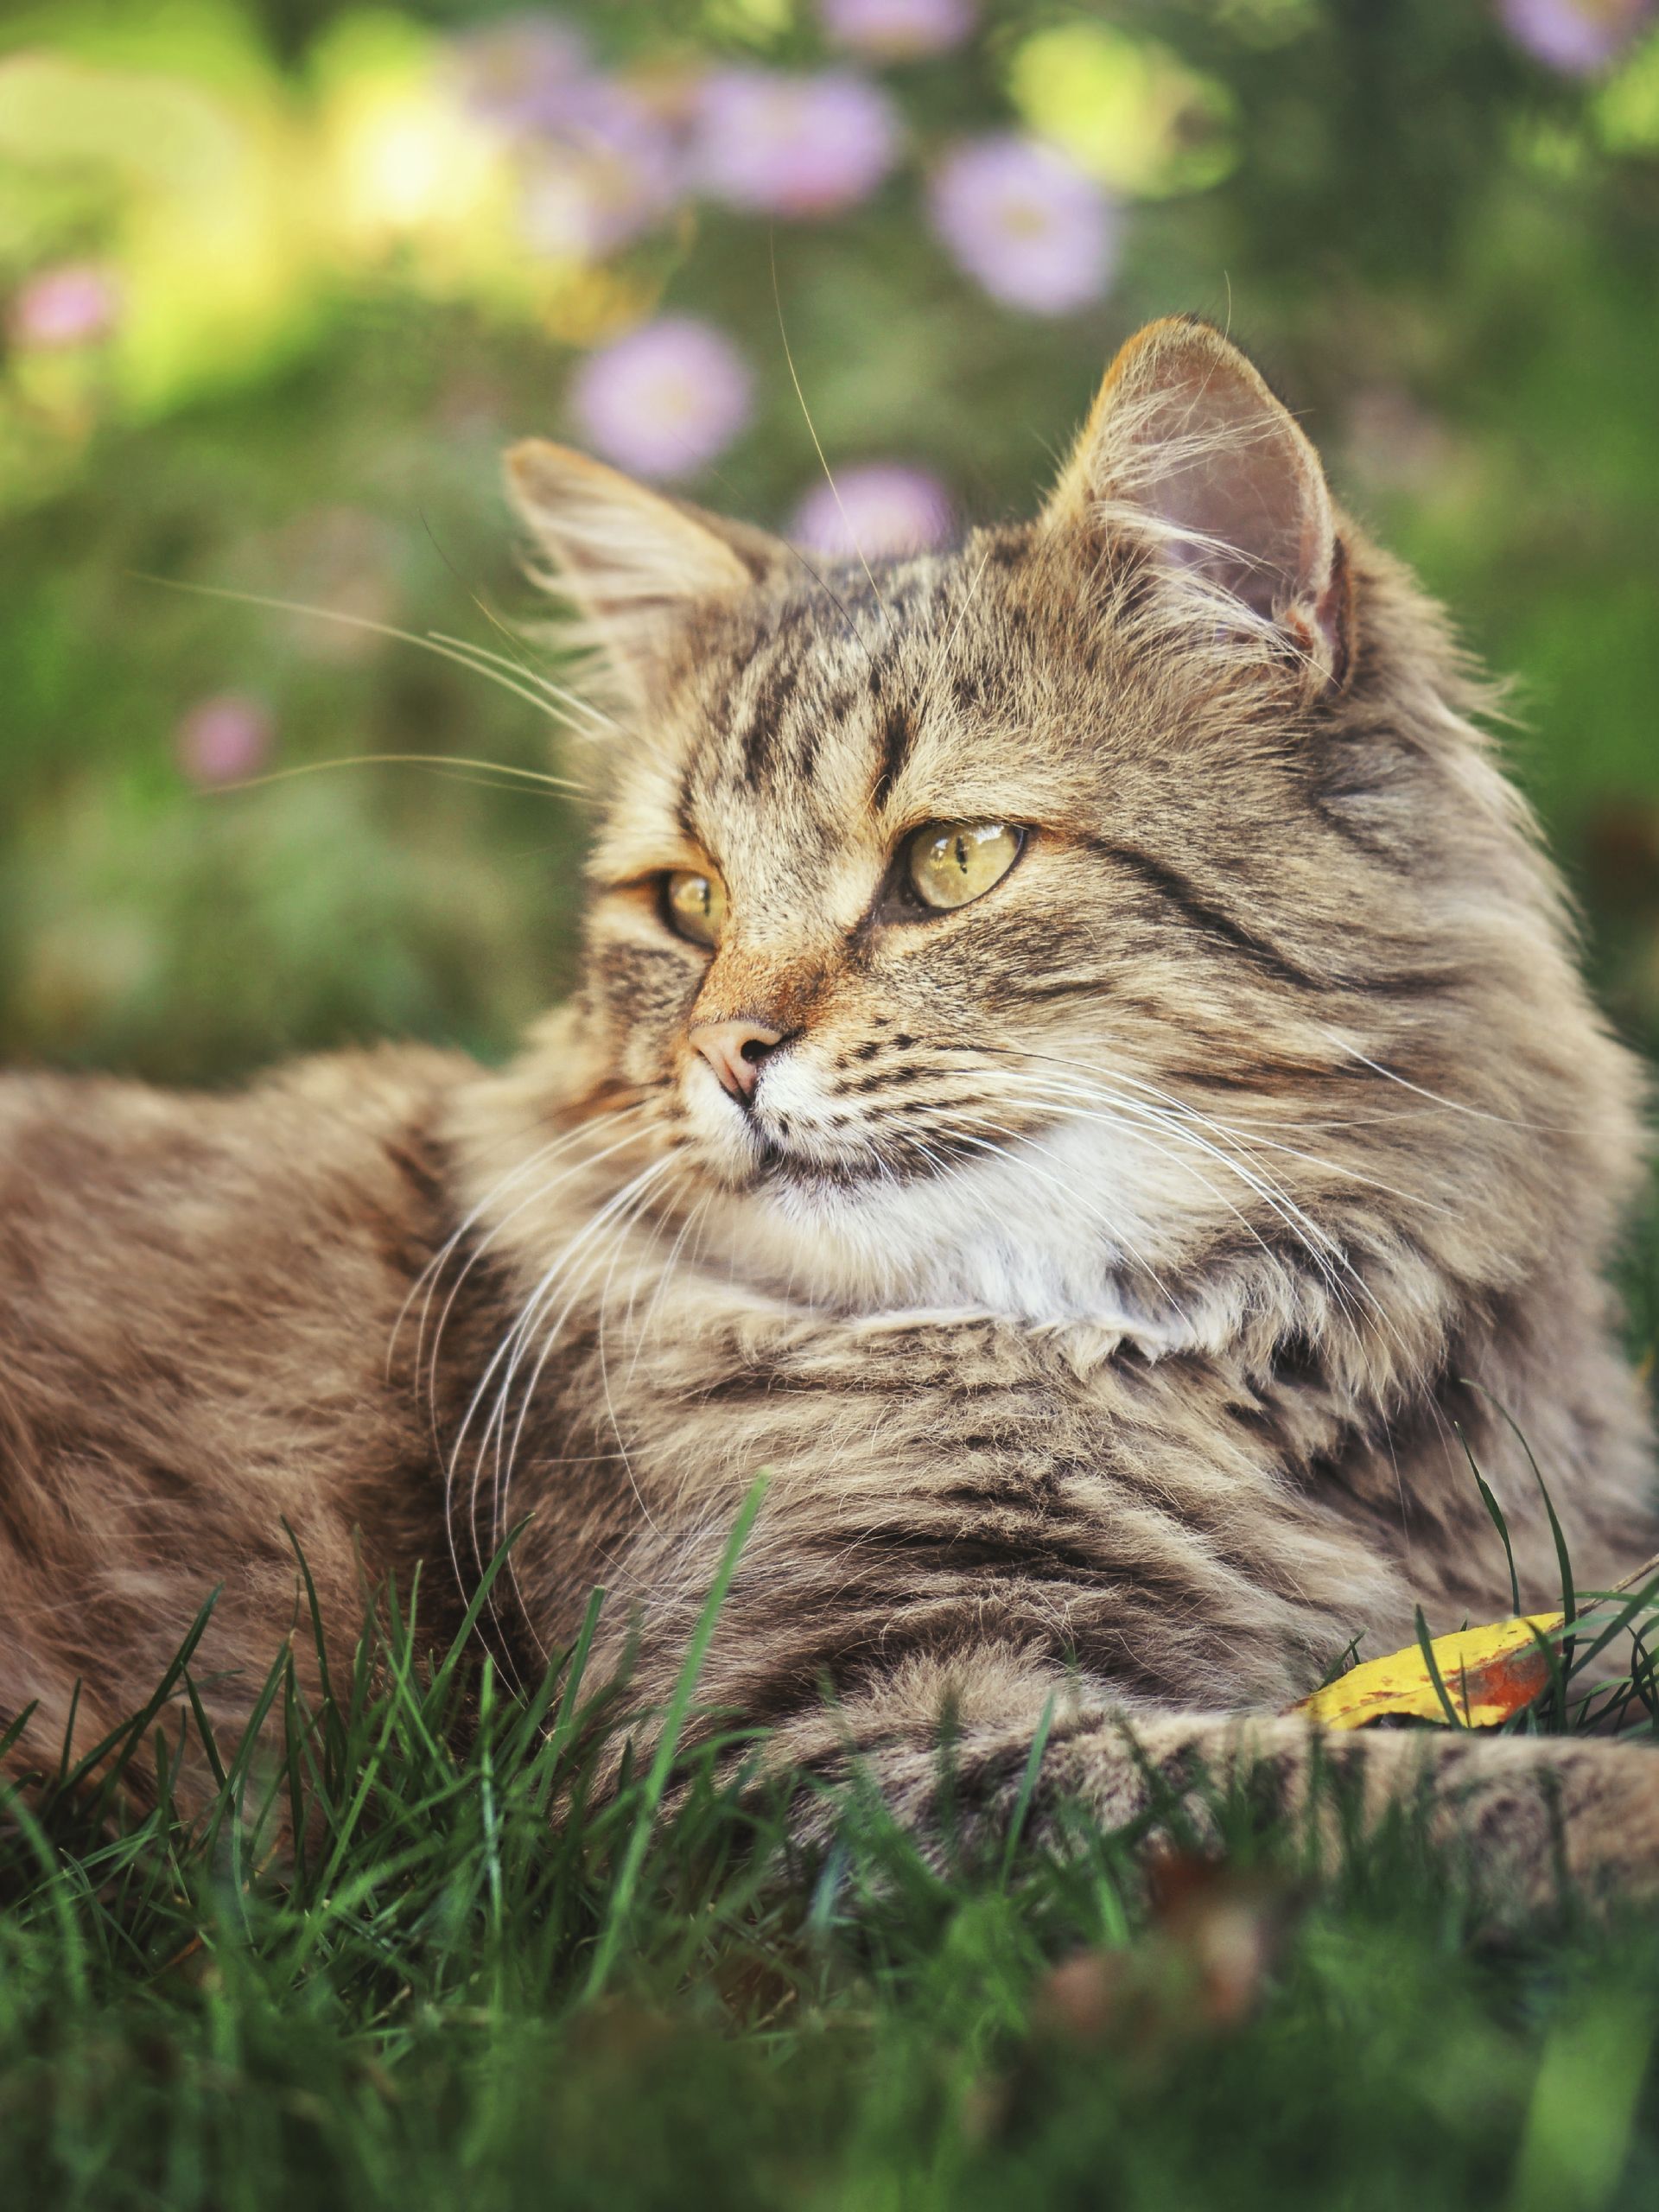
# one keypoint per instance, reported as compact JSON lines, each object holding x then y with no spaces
{"x":898,"y":30}
{"x":884,"y":508}
{"x":605,"y":171}
{"x":70,"y":305}
{"x":664,"y":399}
{"x":782,"y":145}
{"x":1575,"y":37}
{"x":224,"y":739}
{"x":1028,"y":224}
{"x":602,"y":160}
{"x":522,"y":73}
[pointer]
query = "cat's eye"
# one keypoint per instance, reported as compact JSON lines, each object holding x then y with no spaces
{"x":695,"y":905}
{"x":948,"y":863}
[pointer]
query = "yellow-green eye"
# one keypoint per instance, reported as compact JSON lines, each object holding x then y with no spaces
{"x":695,"y":905}
{"x":950,"y":862}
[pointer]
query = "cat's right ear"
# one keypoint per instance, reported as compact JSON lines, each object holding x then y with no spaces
{"x":635,"y":566}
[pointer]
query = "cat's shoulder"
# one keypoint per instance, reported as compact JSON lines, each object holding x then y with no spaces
{"x":365,"y":1089}
{"x":335,"y":1134}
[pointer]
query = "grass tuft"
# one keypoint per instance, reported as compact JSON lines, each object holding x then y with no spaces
{"x":410,"y":1956}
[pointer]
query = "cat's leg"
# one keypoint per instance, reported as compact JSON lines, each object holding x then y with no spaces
{"x":950,"y":1751}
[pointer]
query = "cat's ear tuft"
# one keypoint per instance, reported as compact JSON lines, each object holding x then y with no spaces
{"x":1186,"y":441}
{"x":635,"y":566}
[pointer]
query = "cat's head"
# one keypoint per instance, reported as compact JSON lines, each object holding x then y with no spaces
{"x":1112,"y":915}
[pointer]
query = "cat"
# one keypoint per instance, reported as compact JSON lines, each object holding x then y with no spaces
{"x":1079,"y":1071}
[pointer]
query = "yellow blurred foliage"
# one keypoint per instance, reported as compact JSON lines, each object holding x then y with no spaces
{"x":403,"y":164}
{"x":235,"y":205}
{"x":1124,"y":109}
{"x":210,"y":239}
{"x":1627,"y":106}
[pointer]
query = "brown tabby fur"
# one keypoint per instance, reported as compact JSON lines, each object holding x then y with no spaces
{"x":1105,"y":1269}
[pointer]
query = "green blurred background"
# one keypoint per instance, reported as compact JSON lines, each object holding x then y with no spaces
{"x":278,"y":278}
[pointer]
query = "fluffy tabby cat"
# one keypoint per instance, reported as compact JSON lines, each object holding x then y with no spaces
{"x":1080,"y":1069}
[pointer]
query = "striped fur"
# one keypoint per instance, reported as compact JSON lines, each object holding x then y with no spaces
{"x":1109,"y":1271}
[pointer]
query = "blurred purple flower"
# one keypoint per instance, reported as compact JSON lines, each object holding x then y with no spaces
{"x":224,"y":739}
{"x":664,"y":399}
{"x":1576,"y":36}
{"x":784,"y":145}
{"x":66,"y":306}
{"x":884,"y":508}
{"x":1028,"y":224}
{"x":898,"y":30}
{"x":522,"y":73}
{"x":600,"y":175}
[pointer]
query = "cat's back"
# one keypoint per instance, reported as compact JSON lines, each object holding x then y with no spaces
{"x":128,"y":1211}
{"x":203,"y":1299}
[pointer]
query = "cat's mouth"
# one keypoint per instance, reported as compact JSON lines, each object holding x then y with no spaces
{"x":805,"y":1144}
{"x":776,"y":1164}
{"x":780,"y":1161}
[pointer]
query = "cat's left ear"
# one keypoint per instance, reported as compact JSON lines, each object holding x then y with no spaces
{"x":636,"y":567}
{"x":1186,"y":441}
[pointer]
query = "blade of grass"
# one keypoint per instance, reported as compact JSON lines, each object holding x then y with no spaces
{"x":621,"y":1900}
{"x":13,"y":1734}
{"x":132,"y":1732}
{"x":1425,"y":1644}
{"x":559,"y":1736}
{"x":1554,"y":1699}
{"x":205,"y":1730}
{"x":1027,"y":1786}
{"x":1495,"y":1511}
{"x":462,"y":1643}
{"x":1569,"y":1601}
{"x":315,"y":1610}
{"x":488,"y":1810}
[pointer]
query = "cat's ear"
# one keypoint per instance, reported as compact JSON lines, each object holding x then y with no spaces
{"x":1185,"y":440}
{"x":634,"y":565}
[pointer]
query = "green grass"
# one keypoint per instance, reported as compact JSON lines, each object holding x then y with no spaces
{"x":470,"y":1983}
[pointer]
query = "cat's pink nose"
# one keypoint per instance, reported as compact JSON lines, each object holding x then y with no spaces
{"x":734,"y":1050}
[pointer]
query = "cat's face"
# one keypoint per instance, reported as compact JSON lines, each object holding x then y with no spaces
{"x":986,"y":930}
{"x":950,"y":872}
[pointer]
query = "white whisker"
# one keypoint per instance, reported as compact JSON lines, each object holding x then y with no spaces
{"x":504,"y":1352}
{"x":476,"y":658}
{"x":1452,"y":1105}
{"x":1253,"y":1142}
{"x":624,"y":1208}
{"x":614,"y":1213}
{"x":565,"y":697}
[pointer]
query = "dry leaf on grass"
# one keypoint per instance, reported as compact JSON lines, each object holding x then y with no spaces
{"x":1489,"y":1674}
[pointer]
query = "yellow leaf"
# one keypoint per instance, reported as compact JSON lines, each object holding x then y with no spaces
{"x":1489,"y":1674}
